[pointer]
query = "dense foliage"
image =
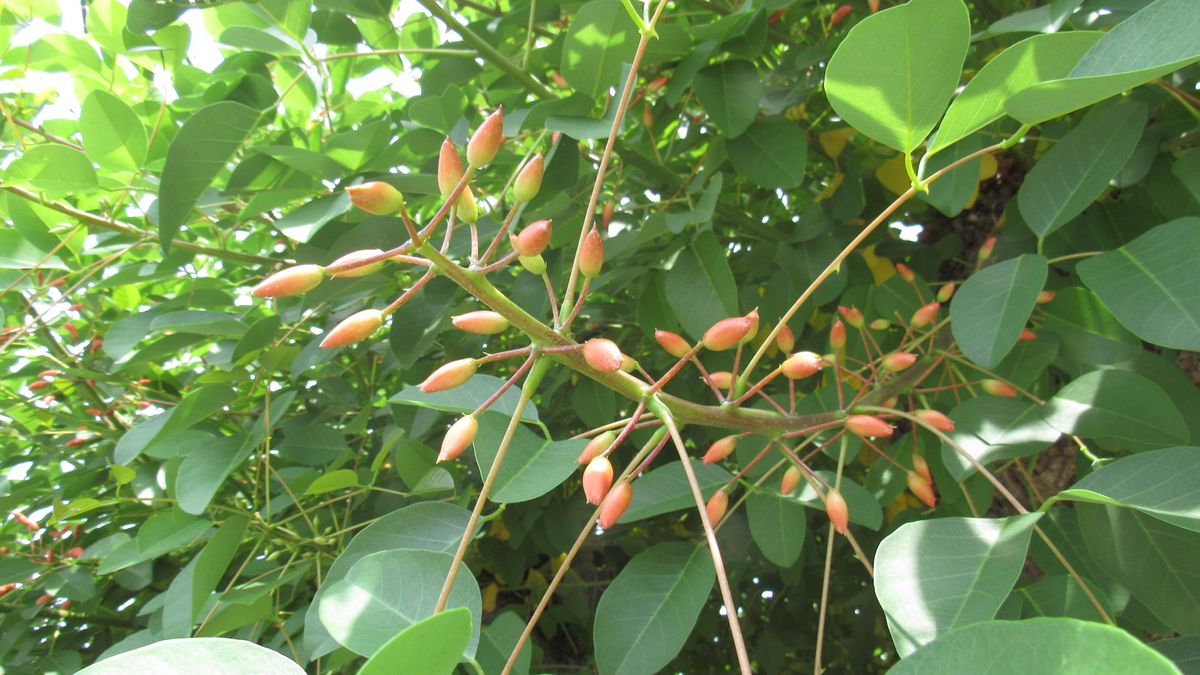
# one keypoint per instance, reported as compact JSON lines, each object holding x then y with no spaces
{"x":961,"y":431}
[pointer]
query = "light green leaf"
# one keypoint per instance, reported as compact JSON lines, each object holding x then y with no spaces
{"x":601,"y":38}
{"x":1060,"y":596}
{"x":778,"y":525}
{"x":647,"y":613}
{"x":991,"y":429}
{"x":895,"y":71}
{"x":1043,"y":646}
{"x":772,"y":153}
{"x":54,"y":169}
{"x":204,"y":471}
{"x":16,"y":253}
{"x":113,"y":135}
{"x":953,"y":191}
{"x":332,"y":481}
{"x":730,"y":92}
{"x":1074,"y":172}
{"x":993,"y":305}
{"x":1184,"y":651}
{"x":199,"y":322}
{"x":1116,"y":404}
{"x":467,"y":397}
{"x":533,"y":465}
{"x":196,"y":407}
{"x":1089,"y":333}
{"x":367,"y":608}
{"x":666,"y":489}
{"x":498,"y":641}
{"x":197,"y":154}
{"x":1149,"y":284}
{"x":933,"y":576}
{"x":1160,"y":483}
{"x":700,"y":287}
{"x":220,"y":656}
{"x":431,"y":646}
{"x":214,"y":559}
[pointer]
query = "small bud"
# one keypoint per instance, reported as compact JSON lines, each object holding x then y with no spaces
{"x":458,"y":437}
{"x":615,"y":504}
{"x":628,"y":363}
{"x":998,"y":388}
{"x":597,"y":478}
{"x":485,"y":143}
{"x":720,"y":449}
{"x":922,"y":467}
{"x":290,"y":281}
{"x":5,"y":589}
{"x":935,"y":419}
{"x":873,"y":5}
{"x":656,"y":84}
{"x":603,"y":355}
{"x":647,"y":115}
{"x":785,"y":339}
{"x":535,"y":265}
{"x":1045,"y":297}
{"x":946,"y":292}
{"x":716,"y":506}
{"x":880,"y":324}
{"x":449,"y":376}
{"x":1026,"y":335}
{"x":483,"y":322}
{"x":376,"y":198}
{"x":673,"y":343}
{"x":356,"y":256}
{"x":44,"y":599}
{"x":466,"y":209}
{"x":596,"y":446}
{"x":51,"y":373}
{"x":925,"y":315}
{"x":606,"y":215}
{"x":533,"y":239}
{"x":76,"y":442}
{"x":801,"y":365}
{"x":728,"y":333}
{"x":898,"y":361}
{"x":74,"y":330}
{"x":722,"y":379}
{"x":529,"y":180}
{"x":852,"y":315}
{"x":752,"y":317}
{"x":75,"y":552}
{"x":450,"y":168}
{"x":591,"y":255}
{"x":837,"y":335}
{"x":867,"y":425}
{"x":790,"y":481}
{"x":25,"y":520}
{"x":905,"y":272}
{"x":837,"y":510}
{"x":985,"y":251}
{"x":354,"y":328}
{"x":37,"y":384}
{"x":839,"y":15}
{"x":922,"y":488}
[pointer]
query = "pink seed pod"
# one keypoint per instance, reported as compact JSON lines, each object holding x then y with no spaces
{"x":467,"y":209}
{"x":450,"y":168}
{"x":852,"y":315}
{"x":935,"y":419}
{"x":922,"y":467}
{"x":998,"y":388}
{"x":1026,"y":335}
{"x":925,"y":315}
{"x":898,"y":361}
{"x":597,"y":478}
{"x":790,"y":481}
{"x":837,"y":335}
{"x":354,"y":328}
{"x":603,"y":355}
{"x":376,"y":198}
{"x":867,"y":426}
{"x":483,"y":322}
{"x":485,"y":142}
{"x":837,"y":510}
{"x":722,"y":379}
{"x":985,"y":251}
{"x":716,"y":506}
{"x":873,"y":5}
{"x":75,"y":552}
{"x":785,"y":340}
{"x":720,"y":449}
{"x":839,"y":15}
{"x":591,"y":255}
{"x":529,"y":180}
{"x":946,"y":292}
{"x":801,"y":365}
{"x":1045,"y":297}
{"x":458,"y":437}
{"x":533,"y":239}
{"x":673,"y":343}
{"x":727,"y":333}
{"x":449,"y":376}
{"x":356,"y":256}
{"x":596,"y":446}
{"x":290,"y":281}
{"x":922,"y":488}
{"x":905,"y":272}
{"x":615,"y":504}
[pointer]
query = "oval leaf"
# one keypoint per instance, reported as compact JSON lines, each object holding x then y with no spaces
{"x":1160,"y":483}
{"x":989,"y":311}
{"x":219,"y":656}
{"x":54,"y":169}
{"x":778,"y":526}
{"x":113,"y":135}
{"x":730,"y":92}
{"x":533,"y":465}
{"x":431,"y":646}
{"x":772,"y":153}
{"x":1116,"y":404}
{"x":602,"y":37}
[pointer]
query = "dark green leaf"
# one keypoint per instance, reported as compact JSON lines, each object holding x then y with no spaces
{"x":993,"y":305}
{"x":1116,"y":404}
{"x":772,"y":153}
{"x":730,"y":92}
{"x":602,"y":37}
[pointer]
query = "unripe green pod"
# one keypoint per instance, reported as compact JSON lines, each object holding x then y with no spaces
{"x":466,"y":208}
{"x":534,"y":264}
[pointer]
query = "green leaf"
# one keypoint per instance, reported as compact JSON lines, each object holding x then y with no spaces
{"x":498,"y":641}
{"x":194,"y":408}
{"x":54,"y":169}
{"x":533,"y":465}
{"x":991,"y":429}
{"x":1155,"y":41}
{"x":113,"y":135}
{"x":203,"y":472}
{"x":895,"y":71}
{"x":467,"y":397}
{"x":199,"y":322}
{"x":864,"y":510}
{"x":1149,"y":284}
{"x":1043,"y":646}
{"x":417,"y":324}
{"x":666,"y":489}
{"x":160,"y":534}
{"x":993,"y":305}
{"x":778,"y":526}
{"x":953,"y":191}
{"x":1116,"y":404}
{"x":700,"y":287}
{"x":17,"y":253}
{"x":647,"y":613}
{"x":1159,"y":483}
{"x":601,"y":38}
{"x":773,"y":153}
{"x":220,"y":656}
{"x":1089,"y":333}
{"x":1183,"y":651}
{"x":1060,"y":596}
{"x":433,"y":645}
{"x":1026,"y":63}
{"x":367,"y":608}
{"x":730,"y":92}
{"x":1154,"y":560}
{"x":1074,"y":172}
{"x":933,"y":576}
{"x":332,"y":481}
{"x":197,"y":154}
{"x":214,"y":559}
